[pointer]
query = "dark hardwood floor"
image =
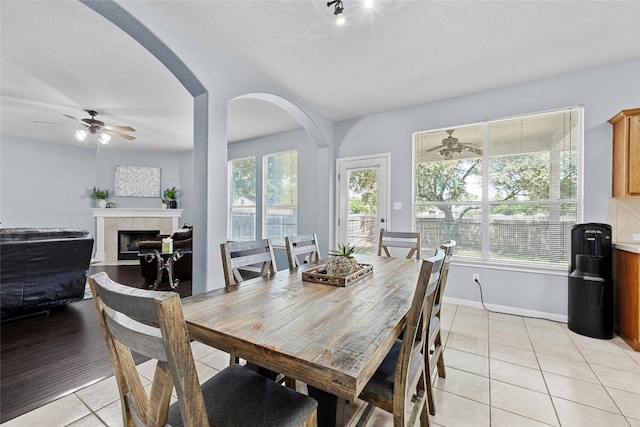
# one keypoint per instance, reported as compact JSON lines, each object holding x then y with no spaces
{"x":47,"y":356}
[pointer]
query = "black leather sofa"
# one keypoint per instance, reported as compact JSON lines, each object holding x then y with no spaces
{"x":42,"y":268}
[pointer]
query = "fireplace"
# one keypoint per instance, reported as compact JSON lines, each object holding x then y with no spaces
{"x":110,"y":221}
{"x":129,"y":242}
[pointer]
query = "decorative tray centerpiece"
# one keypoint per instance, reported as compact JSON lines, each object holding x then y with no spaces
{"x":340,"y":270}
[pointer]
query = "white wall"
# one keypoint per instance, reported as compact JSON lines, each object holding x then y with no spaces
{"x":603,"y":92}
{"x":44,"y":184}
{"x":310,"y":188}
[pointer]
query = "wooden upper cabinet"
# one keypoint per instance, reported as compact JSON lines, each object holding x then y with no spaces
{"x":626,"y":153}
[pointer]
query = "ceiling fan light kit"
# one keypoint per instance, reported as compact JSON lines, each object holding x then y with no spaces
{"x":97,"y":127}
{"x":81,"y":135}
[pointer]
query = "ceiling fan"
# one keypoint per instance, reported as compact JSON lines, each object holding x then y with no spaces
{"x":451,"y":145}
{"x":95,"y":126}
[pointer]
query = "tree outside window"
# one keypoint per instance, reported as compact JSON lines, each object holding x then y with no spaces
{"x":242,"y":193}
{"x":280,"y":216}
{"x":513,"y":196}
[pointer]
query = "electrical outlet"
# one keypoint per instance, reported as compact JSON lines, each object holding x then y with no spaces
{"x":476,"y":276}
{"x":635,"y":237}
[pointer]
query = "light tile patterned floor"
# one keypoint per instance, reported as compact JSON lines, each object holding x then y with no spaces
{"x":502,"y":370}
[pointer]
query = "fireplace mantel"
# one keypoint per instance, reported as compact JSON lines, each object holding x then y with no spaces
{"x":108,"y":221}
{"x":147,"y":213}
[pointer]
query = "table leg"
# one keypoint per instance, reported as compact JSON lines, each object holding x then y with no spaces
{"x":158,"y":259}
{"x":330,"y":408}
{"x":169,"y":267}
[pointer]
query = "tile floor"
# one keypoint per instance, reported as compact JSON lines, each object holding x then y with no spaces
{"x":502,"y":370}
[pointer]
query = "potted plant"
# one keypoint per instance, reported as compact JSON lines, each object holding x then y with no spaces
{"x":342,"y":262}
{"x":101,"y":196}
{"x":170,"y":196}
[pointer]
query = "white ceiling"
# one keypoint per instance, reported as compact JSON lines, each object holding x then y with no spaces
{"x":60,"y":57}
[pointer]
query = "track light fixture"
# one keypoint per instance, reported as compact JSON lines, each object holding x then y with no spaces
{"x":338,"y":11}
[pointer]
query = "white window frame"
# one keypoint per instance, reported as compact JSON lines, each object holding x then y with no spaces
{"x":265,"y":185}
{"x":485,"y":260}
{"x":230,"y":198}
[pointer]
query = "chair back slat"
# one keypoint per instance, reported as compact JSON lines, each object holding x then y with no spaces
{"x":302,"y":245}
{"x":142,"y":307}
{"x":152,"y":324}
{"x":236,"y":255}
{"x":143,"y":339}
{"x":449,"y":249}
{"x":415,"y":334}
{"x":399,"y":239}
{"x":250,"y":259}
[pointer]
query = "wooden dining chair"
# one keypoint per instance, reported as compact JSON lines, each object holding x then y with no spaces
{"x":152,"y":324}
{"x":399,"y":239}
{"x":305,"y":245}
{"x":398,"y":385}
{"x":435,"y":355}
{"x":247,"y":255}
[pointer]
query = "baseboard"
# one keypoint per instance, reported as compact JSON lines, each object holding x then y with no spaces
{"x":509,"y":310}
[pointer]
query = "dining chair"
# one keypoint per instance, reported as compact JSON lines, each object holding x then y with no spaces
{"x":400,"y":380}
{"x":305,"y":245}
{"x":399,"y":239}
{"x":435,"y":354}
{"x":152,"y":324}
{"x":246,"y":255}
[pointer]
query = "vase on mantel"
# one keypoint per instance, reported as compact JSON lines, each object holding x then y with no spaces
{"x":102,"y":203}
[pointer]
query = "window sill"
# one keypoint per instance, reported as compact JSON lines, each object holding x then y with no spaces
{"x":511,"y":266}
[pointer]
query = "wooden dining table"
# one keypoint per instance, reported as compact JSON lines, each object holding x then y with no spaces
{"x":332,"y":338}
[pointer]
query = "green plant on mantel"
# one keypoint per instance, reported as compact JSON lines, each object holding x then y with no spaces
{"x":97,"y":193}
{"x":171,"y":193}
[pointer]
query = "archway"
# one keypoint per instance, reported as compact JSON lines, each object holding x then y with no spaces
{"x":203,"y":261}
{"x":296,"y":112}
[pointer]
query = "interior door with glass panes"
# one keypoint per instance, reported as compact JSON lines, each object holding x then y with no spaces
{"x":363,"y":201}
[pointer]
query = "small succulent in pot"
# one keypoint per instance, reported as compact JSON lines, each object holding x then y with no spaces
{"x":342,"y":262}
{"x":343,"y":250}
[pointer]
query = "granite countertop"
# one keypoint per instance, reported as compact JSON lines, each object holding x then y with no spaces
{"x":629,"y":247}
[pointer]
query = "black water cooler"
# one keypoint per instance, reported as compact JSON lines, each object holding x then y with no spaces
{"x":590,"y":281}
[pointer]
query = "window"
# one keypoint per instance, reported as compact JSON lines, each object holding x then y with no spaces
{"x":280,"y":196}
{"x":505,"y":190}
{"x":242,"y":199}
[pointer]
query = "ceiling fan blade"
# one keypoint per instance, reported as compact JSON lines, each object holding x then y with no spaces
{"x":71,"y":117}
{"x":125,"y":128}
{"x":119,"y":134}
{"x":428,"y":150}
{"x":472,"y":149}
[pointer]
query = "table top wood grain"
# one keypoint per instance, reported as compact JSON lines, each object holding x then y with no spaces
{"x":333,"y":338}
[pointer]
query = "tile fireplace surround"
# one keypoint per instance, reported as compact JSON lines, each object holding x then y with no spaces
{"x":109,"y":221}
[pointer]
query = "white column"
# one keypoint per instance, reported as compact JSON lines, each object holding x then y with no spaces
{"x":99,"y":240}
